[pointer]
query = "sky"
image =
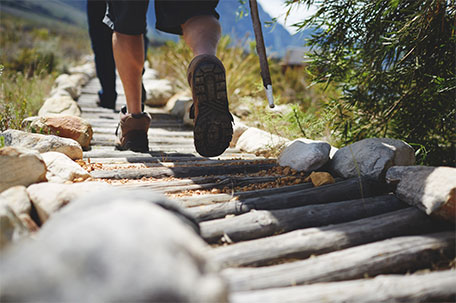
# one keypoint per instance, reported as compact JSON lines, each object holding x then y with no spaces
{"x":278,"y":10}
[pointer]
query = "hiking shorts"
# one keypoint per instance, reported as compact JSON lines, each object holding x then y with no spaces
{"x":129,"y":17}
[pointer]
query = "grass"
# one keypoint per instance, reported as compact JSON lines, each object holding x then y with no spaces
{"x":32,"y":54}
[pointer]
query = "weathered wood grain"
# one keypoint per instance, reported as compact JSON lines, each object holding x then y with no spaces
{"x":397,"y":255}
{"x":339,"y":191}
{"x":256,"y":224}
{"x":429,"y":287}
{"x":179,"y":171}
{"x":315,"y":241}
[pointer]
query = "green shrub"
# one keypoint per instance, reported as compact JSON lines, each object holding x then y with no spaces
{"x":394,"y":62}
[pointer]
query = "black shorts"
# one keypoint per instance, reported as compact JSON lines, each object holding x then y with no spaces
{"x":129,"y":16}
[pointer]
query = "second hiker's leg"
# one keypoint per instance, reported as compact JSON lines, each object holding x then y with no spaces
{"x":129,"y":56}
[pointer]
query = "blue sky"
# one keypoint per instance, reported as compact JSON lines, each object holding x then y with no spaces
{"x":277,"y":9}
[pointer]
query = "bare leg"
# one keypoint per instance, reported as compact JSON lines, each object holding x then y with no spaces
{"x":202,"y":34}
{"x":129,"y":56}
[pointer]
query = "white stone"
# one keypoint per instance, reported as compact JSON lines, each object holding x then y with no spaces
{"x":58,"y":106}
{"x":372,"y":157}
{"x":255,"y":140}
{"x":70,"y":84}
{"x":11,"y":227}
{"x":17,"y":198}
{"x":48,"y":198}
{"x":177,"y":104}
{"x":432,"y":189}
{"x":158,"y":92}
{"x":60,"y":168}
{"x":238,"y":129}
{"x":111,"y":247}
{"x":42,"y":143}
{"x":149,"y":74}
{"x":88,"y":69}
{"x":305,"y":155}
{"x":186,"y":119}
{"x":20,"y":167}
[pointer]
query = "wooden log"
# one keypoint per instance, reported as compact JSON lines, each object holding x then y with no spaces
{"x":240,"y":195}
{"x":340,"y":191}
{"x":397,"y":255}
{"x":431,"y":189}
{"x":257,"y":224}
{"x":430,"y":287}
{"x":179,"y":171}
{"x":315,"y":241}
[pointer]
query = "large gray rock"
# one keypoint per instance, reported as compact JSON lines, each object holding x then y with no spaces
{"x":432,"y":189}
{"x":48,"y":198}
{"x":11,"y":227}
{"x":158,"y":92}
{"x":70,"y":85}
{"x":42,"y":143}
{"x":60,"y":168}
{"x":71,"y":127}
{"x":372,"y":157}
{"x":20,"y":167}
{"x":255,"y":140}
{"x":59,"y":105}
{"x":112,"y":248}
{"x":305,"y":155}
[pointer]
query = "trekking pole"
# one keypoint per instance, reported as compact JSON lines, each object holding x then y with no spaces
{"x":261,"y":50}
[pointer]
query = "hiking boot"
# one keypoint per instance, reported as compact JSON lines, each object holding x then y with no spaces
{"x":132,"y":131}
{"x":212,"y":130}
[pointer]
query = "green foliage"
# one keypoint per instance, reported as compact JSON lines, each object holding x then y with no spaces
{"x":31,"y":55}
{"x":395,"y":64}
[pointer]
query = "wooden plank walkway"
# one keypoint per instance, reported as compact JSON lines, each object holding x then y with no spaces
{"x":276,"y":237}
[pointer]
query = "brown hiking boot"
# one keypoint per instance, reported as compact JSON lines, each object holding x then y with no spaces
{"x":132,"y":131}
{"x":213,"y":128}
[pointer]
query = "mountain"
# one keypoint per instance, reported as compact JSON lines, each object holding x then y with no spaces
{"x":277,"y":38}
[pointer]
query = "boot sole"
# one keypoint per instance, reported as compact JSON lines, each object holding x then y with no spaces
{"x":213,"y":129}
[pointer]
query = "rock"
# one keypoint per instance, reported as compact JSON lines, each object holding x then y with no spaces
{"x":186,"y":120}
{"x":255,"y":140}
{"x":60,"y":168}
{"x":27,"y":122}
{"x":118,"y":249}
{"x":42,"y":143}
{"x":238,"y":129}
{"x":11,"y":228}
{"x":372,"y":157}
{"x":72,"y":84}
{"x":20,"y":167}
{"x":71,"y":127}
{"x":431,"y":189}
{"x":320,"y":178}
{"x":242,"y":110}
{"x":332,"y":152}
{"x":48,"y":198}
{"x":149,"y":74}
{"x":60,"y":106}
{"x":305,"y":155}
{"x":158,"y":91}
{"x":177,"y":104}
{"x":87,"y":69}
{"x":17,"y":199}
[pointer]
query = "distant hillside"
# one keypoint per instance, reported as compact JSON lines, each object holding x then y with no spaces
{"x":277,"y":38}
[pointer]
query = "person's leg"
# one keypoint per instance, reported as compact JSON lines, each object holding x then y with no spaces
{"x":101,"y":37}
{"x":202,"y":34}
{"x":129,"y":56}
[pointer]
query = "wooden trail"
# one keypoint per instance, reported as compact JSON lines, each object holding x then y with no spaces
{"x":276,"y":238}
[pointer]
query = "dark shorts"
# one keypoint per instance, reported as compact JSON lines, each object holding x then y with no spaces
{"x":129,"y":17}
